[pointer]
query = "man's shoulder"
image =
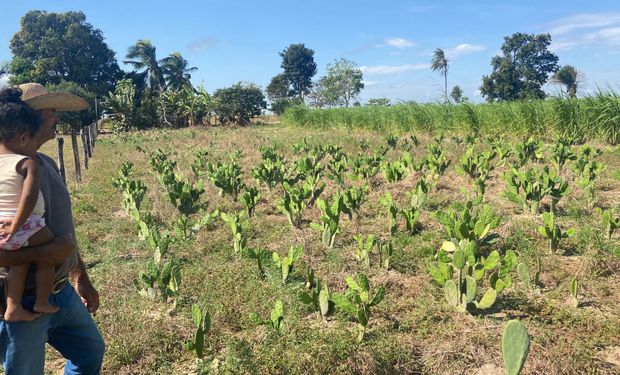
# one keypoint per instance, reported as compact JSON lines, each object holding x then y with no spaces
{"x":47,"y":161}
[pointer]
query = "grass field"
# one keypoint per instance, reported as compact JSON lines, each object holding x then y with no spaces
{"x":595,"y":116}
{"x":413,"y":330}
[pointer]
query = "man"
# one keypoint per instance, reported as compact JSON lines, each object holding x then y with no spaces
{"x":71,"y":330}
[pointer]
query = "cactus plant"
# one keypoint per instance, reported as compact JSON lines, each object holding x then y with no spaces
{"x":226,"y":177}
{"x":235,"y":223}
{"x":461,"y":258}
{"x":294,"y":203}
{"x":391,"y":140}
{"x":319,"y":298}
{"x":386,"y":251}
{"x":330,"y":218}
{"x":435,"y":162}
{"x":419,"y":196}
{"x":476,"y":164}
{"x":527,"y":188}
{"x":357,"y":301}
{"x":561,"y":153}
{"x":574,"y":291}
{"x":388,"y":202}
{"x":287,"y":263}
{"x":202,"y":325}
{"x":393,"y":171}
{"x":588,"y":179}
{"x":261,"y":256}
{"x":364,"y":249}
{"x":609,"y":221}
{"x":250,"y":198}
{"x":354,"y":197}
{"x":467,"y":223}
{"x":557,"y":187}
{"x":552,"y":231}
{"x":515,"y":346}
{"x":275,"y":320}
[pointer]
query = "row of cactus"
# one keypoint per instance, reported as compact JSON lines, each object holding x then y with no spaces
{"x":162,"y":277}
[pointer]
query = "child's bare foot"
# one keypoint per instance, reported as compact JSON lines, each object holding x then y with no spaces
{"x":19,"y":314}
{"x":45,"y":308}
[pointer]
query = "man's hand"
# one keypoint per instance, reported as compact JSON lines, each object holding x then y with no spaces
{"x":88,"y":293}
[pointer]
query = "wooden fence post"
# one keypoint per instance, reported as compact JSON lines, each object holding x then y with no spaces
{"x":61,"y":159}
{"x":76,"y":155}
{"x":86,"y":131}
{"x":93,"y":135}
{"x":84,"y":148}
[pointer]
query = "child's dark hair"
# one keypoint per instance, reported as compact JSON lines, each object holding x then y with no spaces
{"x":15,"y":115}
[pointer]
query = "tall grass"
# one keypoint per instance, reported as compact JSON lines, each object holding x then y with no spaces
{"x":595,"y":116}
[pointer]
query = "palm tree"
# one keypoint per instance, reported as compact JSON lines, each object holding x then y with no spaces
{"x":176,"y":72}
{"x":142,"y":57}
{"x":439,"y":63}
{"x":569,"y":77}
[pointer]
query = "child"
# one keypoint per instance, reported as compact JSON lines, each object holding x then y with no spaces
{"x":22,"y":204}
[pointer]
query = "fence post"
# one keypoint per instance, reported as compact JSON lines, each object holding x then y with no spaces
{"x":76,"y":155}
{"x":92,"y":131}
{"x":61,"y":159}
{"x":84,"y":148}
{"x":89,"y":147}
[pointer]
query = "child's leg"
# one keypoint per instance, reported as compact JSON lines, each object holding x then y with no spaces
{"x":44,"y":235}
{"x":16,"y":280}
{"x":44,"y":278}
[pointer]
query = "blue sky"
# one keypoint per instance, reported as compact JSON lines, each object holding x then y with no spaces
{"x":392,"y":41}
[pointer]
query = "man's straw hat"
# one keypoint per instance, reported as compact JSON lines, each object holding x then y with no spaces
{"x":37,"y":97}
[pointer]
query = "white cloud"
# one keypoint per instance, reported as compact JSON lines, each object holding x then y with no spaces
{"x":399,"y":42}
{"x":392,"y":69}
{"x":203,"y":44}
{"x":463,"y":49}
{"x":4,"y":80}
{"x":585,"y":29}
{"x":583,"y":21}
{"x":564,"y":45}
{"x":610,"y":35}
{"x":370,"y":83}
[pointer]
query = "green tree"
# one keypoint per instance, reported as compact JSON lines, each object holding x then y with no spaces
{"x":522,"y":70}
{"x":75,"y":120}
{"x":176,"y":72}
{"x":457,"y":95}
{"x":142,"y":56}
{"x":319,"y":96}
{"x":239,"y":103}
{"x":379,"y":102}
{"x":344,"y":81}
{"x":197,"y":105}
{"x":279,"y":88}
{"x":439,"y":63}
{"x":299,"y":68}
{"x":568,"y":76}
{"x":279,"y":94}
{"x":50,"y":48}
{"x":121,"y":105}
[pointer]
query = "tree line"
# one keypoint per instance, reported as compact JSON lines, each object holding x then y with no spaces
{"x":64,"y":52}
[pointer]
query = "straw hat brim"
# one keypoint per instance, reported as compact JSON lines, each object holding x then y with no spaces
{"x":60,"y":101}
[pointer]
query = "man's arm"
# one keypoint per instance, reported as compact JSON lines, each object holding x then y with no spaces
{"x":53,"y":252}
{"x":84,"y":287}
